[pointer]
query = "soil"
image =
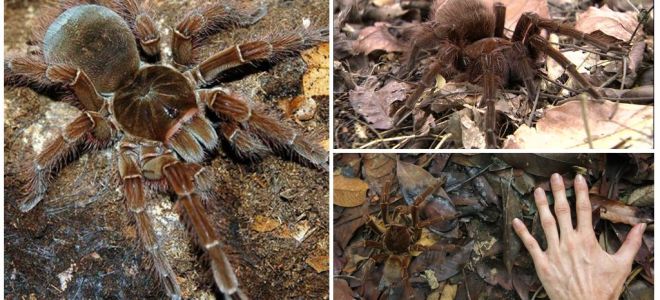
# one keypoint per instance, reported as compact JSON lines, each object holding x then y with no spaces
{"x":80,"y":243}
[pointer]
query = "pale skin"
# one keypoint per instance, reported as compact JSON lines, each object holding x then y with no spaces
{"x":574,"y":266}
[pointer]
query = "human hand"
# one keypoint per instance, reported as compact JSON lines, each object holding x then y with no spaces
{"x":574,"y":266}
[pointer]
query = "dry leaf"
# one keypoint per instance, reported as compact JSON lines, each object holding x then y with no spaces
{"x":515,"y":9}
{"x":349,"y":192}
{"x":471,"y":135}
{"x":377,"y":37}
{"x":374,"y":105}
{"x":316,"y":80}
{"x":562,"y":127}
{"x":264,"y":224}
{"x":449,"y":292}
{"x":615,"y":24}
{"x":319,"y":263}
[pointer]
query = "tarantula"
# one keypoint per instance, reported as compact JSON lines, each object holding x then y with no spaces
{"x":399,"y":238}
{"x":104,"y":57}
{"x":472,"y":47}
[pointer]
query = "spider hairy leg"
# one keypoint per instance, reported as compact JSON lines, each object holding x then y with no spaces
{"x":134,"y":193}
{"x":500,"y":18}
{"x":39,"y":171}
{"x":143,"y":26}
{"x":30,"y":71}
{"x":202,"y":23}
{"x":277,"y":47}
{"x":245,"y":144}
{"x":179,"y":178}
{"x":79,"y":83}
{"x":554,"y":26}
{"x":270,"y":131}
{"x":541,"y":44}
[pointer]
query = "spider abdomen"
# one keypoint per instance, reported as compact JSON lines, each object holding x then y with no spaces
{"x":96,"y":40}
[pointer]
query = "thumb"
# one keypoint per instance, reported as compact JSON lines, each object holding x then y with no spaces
{"x":631,"y":245}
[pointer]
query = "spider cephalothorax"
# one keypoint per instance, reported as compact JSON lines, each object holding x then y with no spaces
{"x":471,"y":46}
{"x":106,"y":60}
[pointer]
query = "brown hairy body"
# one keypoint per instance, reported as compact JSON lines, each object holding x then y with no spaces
{"x":471,"y":46}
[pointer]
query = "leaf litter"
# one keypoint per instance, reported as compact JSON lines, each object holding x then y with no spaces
{"x":478,"y":255}
{"x":371,"y":51}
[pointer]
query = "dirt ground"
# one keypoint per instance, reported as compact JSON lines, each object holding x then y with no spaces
{"x":79,"y":243}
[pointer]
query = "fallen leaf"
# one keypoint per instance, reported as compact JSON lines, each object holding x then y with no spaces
{"x":378,"y":169}
{"x":620,"y":25}
{"x":562,"y":127}
{"x":374,"y":105}
{"x":377,"y":37}
{"x":512,"y":210}
{"x":264,"y":224}
{"x":349,"y":192}
{"x":319,"y":263}
{"x":316,"y":80}
{"x":341,"y":289}
{"x":641,"y":197}
{"x":618,"y":212}
{"x":449,"y":292}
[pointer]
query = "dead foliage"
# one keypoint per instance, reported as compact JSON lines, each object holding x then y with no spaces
{"x":474,"y":253}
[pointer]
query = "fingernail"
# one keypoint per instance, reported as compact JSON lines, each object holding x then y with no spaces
{"x":643,"y":228}
{"x":539,"y":191}
{"x":516,"y":222}
{"x":579,"y":178}
{"x":555,"y":178}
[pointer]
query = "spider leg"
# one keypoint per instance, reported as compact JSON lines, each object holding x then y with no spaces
{"x":30,"y":71}
{"x":449,"y":56}
{"x":245,"y":144}
{"x":79,"y":83}
{"x":180,"y":179}
{"x":134,"y":193}
{"x":200,"y":24}
{"x":270,"y":131}
{"x":279,"y":46}
{"x":524,"y":69}
{"x":500,"y":17}
{"x":373,"y":244}
{"x":89,"y":129}
{"x":542,"y":45}
{"x":563,"y":29}
{"x":195,"y":135}
{"x":489,"y":81}
{"x":143,"y":26}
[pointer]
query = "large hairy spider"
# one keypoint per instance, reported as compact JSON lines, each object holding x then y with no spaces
{"x":104,"y":57}
{"x":400,"y":233}
{"x":471,"y":46}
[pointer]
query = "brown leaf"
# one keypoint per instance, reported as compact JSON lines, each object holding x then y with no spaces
{"x":341,"y":290}
{"x":378,"y":169}
{"x":349,"y":192}
{"x":316,"y":80}
{"x":618,"y":212}
{"x":562,"y":127}
{"x":515,"y":9}
{"x":349,"y":220}
{"x":512,"y":209}
{"x":615,"y":24}
{"x":377,"y":37}
{"x":319,"y":263}
{"x":264,"y":224}
{"x":544,"y":164}
{"x":374,"y":105}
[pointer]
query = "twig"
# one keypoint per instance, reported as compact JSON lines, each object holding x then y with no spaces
{"x":397,"y":138}
{"x":583,"y":102}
